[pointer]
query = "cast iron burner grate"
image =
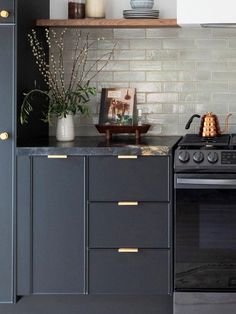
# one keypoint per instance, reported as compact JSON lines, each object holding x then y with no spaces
{"x":198,"y":141}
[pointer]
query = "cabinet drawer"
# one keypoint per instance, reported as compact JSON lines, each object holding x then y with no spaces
{"x":141,"y":179}
{"x":8,"y":6}
{"x":145,"y":225}
{"x":145,"y":272}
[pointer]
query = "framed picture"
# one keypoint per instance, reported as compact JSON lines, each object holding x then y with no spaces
{"x":117,"y":106}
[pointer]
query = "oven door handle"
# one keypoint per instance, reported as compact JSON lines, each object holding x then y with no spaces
{"x":206,"y":182}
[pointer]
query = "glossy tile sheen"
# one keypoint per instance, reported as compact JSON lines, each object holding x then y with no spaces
{"x":176,"y":72}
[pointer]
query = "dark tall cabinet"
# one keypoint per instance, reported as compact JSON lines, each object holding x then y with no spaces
{"x":16,"y":19}
{"x":6,"y":161}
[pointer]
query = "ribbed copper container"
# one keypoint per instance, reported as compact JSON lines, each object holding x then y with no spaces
{"x":209,"y":126}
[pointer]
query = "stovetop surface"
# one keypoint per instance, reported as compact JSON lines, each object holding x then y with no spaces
{"x":194,"y":140}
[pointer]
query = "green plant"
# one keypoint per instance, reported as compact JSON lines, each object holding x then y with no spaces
{"x":62,"y":96}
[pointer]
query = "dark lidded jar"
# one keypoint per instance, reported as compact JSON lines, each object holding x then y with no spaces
{"x":76,"y":9}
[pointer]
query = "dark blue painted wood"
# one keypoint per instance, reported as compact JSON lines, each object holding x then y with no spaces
{"x":58,"y":207}
{"x":142,"y":226}
{"x":90,"y":305}
{"x":23,"y":234}
{"x":7,"y":5}
{"x":143,"y":273}
{"x":142,"y":179}
{"x":6,"y":162}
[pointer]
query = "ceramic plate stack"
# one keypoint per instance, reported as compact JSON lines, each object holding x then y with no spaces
{"x":141,"y":9}
{"x":141,"y":14}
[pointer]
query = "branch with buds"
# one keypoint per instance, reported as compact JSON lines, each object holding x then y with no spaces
{"x":63,"y":97}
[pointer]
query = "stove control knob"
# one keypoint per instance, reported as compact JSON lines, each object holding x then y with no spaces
{"x":198,"y":157}
{"x":212,"y":157}
{"x":184,"y":156}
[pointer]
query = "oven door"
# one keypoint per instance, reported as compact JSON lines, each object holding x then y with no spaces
{"x":205,"y":232}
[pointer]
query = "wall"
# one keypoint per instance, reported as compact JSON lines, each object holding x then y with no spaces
{"x":114,"y":8}
{"x":177,"y":72}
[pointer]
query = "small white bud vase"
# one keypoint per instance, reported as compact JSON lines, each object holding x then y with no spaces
{"x":95,"y":8}
{"x":65,"y":129}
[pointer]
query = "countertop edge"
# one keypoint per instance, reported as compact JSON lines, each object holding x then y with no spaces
{"x":150,"y":146}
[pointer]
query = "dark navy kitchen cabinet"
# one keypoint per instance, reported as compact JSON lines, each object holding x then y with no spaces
{"x":55,"y":225}
{"x":6,"y":162}
{"x":16,"y":19}
{"x":70,"y":244}
{"x":129,"y":221}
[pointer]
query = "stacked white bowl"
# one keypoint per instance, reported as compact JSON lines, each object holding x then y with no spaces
{"x":142,"y":4}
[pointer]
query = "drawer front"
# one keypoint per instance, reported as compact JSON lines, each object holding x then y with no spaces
{"x":145,"y":272}
{"x":145,"y":225}
{"x":141,"y":179}
{"x":8,"y":6}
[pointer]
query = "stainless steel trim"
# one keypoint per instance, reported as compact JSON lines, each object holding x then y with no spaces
{"x":206,"y":181}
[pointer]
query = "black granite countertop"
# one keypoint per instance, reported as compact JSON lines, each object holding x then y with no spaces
{"x":97,"y":145}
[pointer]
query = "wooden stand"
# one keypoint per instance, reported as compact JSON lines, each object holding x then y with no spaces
{"x":118,"y":129}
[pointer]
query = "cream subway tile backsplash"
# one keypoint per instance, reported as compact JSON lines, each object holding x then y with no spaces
{"x":122,"y":33}
{"x":130,"y":55}
{"x":145,"y":65}
{"x":176,"y":72}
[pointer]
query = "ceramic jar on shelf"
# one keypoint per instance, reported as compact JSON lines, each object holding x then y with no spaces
{"x":96,"y":8}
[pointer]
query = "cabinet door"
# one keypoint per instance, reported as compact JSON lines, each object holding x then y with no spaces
{"x":6,"y":163}
{"x":58,"y":225}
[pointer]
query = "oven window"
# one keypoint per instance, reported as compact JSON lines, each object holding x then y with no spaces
{"x":205,"y":243}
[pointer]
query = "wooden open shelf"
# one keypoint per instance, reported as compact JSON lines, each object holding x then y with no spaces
{"x":112,"y":23}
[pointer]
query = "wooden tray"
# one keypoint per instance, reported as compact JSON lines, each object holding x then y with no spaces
{"x":117,"y":129}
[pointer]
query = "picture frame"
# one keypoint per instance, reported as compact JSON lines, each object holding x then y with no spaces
{"x":117,"y":106}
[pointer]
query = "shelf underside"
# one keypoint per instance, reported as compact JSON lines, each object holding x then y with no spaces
{"x":109,"y":23}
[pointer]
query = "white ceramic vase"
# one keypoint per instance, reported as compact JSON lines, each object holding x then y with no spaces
{"x":65,"y":129}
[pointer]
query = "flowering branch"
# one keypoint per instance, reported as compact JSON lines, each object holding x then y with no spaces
{"x":63,"y":98}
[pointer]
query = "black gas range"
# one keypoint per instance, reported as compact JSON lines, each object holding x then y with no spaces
{"x":199,"y":154}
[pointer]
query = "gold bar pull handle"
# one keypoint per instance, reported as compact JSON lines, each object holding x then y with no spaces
{"x":127,"y":203}
{"x":57,"y":156}
{"x":128,"y":250}
{"x":127,"y":157}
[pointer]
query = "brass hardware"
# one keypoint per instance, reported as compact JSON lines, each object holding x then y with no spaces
{"x":128,"y":250}
{"x":57,"y":156}
{"x":127,"y":157}
{"x":127,"y":203}
{"x":4,"y":14}
{"x":4,"y":136}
